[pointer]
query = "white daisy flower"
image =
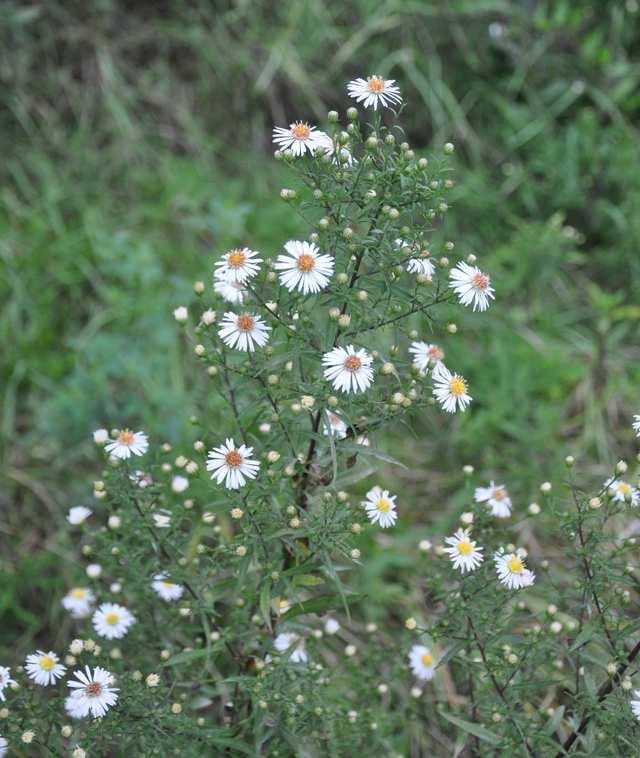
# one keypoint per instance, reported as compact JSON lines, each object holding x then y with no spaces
{"x":78,"y":602}
{"x":92,"y":693}
{"x":349,"y":370}
{"x":512,"y":570}
{"x":78,"y":514}
{"x":374,"y":91}
{"x":636,"y":425}
{"x":334,"y":426}
{"x":304,"y":268}
{"x":300,"y":137}
{"x":471,"y":286}
{"x":128,"y":442}
{"x":231,"y":291}
{"x":421,"y":264}
{"x":426,"y":355}
{"x":165,"y":589}
{"x":463,"y":551}
{"x":5,"y":680}
{"x":287,"y":640}
{"x":422,"y":662}
{"x":161,"y":518}
{"x":635,"y":704}
{"x":622,"y":492}
{"x":380,"y":507}
{"x":238,"y":265}
{"x":496,"y":497}
{"x":112,"y":621}
{"x":450,"y":390}
{"x":44,"y":668}
{"x":232,"y":464}
{"x":241,"y":331}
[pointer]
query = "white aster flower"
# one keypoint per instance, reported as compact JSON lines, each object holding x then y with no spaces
{"x":380,"y":507}
{"x":342,"y":156}
{"x":78,"y":514}
{"x":231,"y":291}
{"x":303,"y":267}
{"x":471,"y":286}
{"x":5,"y":680}
{"x":238,"y":265}
{"x":165,"y":589}
{"x":288,"y":640}
{"x":422,"y":662}
{"x":179,"y":484}
{"x":161,"y":518}
{"x":92,"y":693}
{"x":463,"y":552}
{"x":112,"y":621}
{"x":232,"y":464}
{"x":241,"y":331}
{"x":496,"y":497}
{"x":622,"y":491}
{"x":334,"y":426}
{"x":512,"y":570}
{"x":635,"y":704}
{"x":421,"y":264}
{"x":426,"y":355}
{"x":349,"y":370}
{"x":374,"y":91}
{"x":44,"y":668}
{"x":78,"y":602}
{"x":450,"y":390}
{"x":331,"y":626}
{"x":300,"y":137}
{"x":636,"y":425}
{"x":128,"y":442}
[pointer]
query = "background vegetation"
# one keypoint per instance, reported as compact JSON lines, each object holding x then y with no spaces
{"x":136,"y":147}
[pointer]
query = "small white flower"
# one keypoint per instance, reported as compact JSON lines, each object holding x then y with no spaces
{"x":450,"y":390}
{"x":5,"y":680}
{"x":238,"y":265}
{"x":94,"y":570}
{"x":342,"y":156}
{"x":422,"y":662}
{"x":349,"y":370}
{"x":44,"y":668}
{"x":208,"y":317}
{"x":232,"y":464}
{"x":303,"y":267}
{"x":241,"y":331}
{"x":161,"y":518}
{"x":463,"y":551}
{"x":181,"y":314}
{"x":179,"y":484}
{"x":635,"y":704}
{"x":471,"y":286}
{"x":231,"y":291}
{"x":426,"y":355}
{"x":78,"y":602}
{"x":331,"y":626}
{"x":300,"y":137}
{"x":380,"y":507}
{"x":141,"y":478}
{"x":421,"y":264}
{"x":4,"y":747}
{"x":623,"y":491}
{"x":287,"y":640}
{"x":636,"y":425}
{"x":166,"y":590}
{"x":92,"y":693}
{"x":112,"y":621}
{"x":78,"y":514}
{"x":101,"y":436}
{"x":128,"y":442}
{"x":374,"y":91}
{"x":496,"y":497}
{"x":512,"y":570}
{"x":334,"y":426}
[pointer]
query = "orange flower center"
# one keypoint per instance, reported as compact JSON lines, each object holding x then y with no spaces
{"x":300,"y":130}
{"x":125,"y":437}
{"x":93,"y":689}
{"x":233,"y":459}
{"x":481,"y":281}
{"x":424,"y":253}
{"x":353,"y":363}
{"x":498,"y":494}
{"x":434,"y":353}
{"x":375,"y":84}
{"x":515,"y":565}
{"x":245,"y":322}
{"x":236,"y":258}
{"x":464,"y":547}
{"x":457,"y":386}
{"x":306,"y":263}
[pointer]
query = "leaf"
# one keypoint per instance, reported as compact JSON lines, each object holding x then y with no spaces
{"x":477,"y":730}
{"x":265,"y":603}
{"x":316,"y":605}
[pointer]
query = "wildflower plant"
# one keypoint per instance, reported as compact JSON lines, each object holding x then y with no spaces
{"x":219,"y":606}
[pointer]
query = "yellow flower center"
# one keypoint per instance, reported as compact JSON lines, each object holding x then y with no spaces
{"x":112,"y":618}
{"x":375,"y":84}
{"x":236,"y":258}
{"x":465,"y":548}
{"x":480,"y":281}
{"x":353,"y":363}
{"x":306,"y":263}
{"x":300,"y":130}
{"x":47,"y":662}
{"x":125,"y":437}
{"x":384,"y":505}
{"x":168,"y":585}
{"x":624,"y":488}
{"x":78,"y":593}
{"x":245,"y":322}
{"x":426,"y":659}
{"x":457,"y":386}
{"x":233,"y":459}
{"x":515,"y":565}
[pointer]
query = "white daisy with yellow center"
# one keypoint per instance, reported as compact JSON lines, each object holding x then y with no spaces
{"x":463,"y":551}
{"x":374,"y":91}
{"x":78,"y":602}
{"x":231,"y":464}
{"x":293,"y":644}
{"x":300,"y":138}
{"x":512,"y":570}
{"x":348,"y":369}
{"x":622,"y":491}
{"x":112,"y":621}
{"x":243,"y":331}
{"x":422,"y":662}
{"x":5,"y":680}
{"x":44,"y":668}
{"x":238,"y":265}
{"x":380,"y":507}
{"x":450,"y":390}
{"x":92,"y":693}
{"x":304,"y":267}
{"x":426,"y":355}
{"x":496,"y":497}
{"x":168,"y":591}
{"x":472,"y":286}
{"x":128,"y":443}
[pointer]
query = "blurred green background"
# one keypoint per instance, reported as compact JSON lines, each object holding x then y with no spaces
{"x":135,"y":143}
